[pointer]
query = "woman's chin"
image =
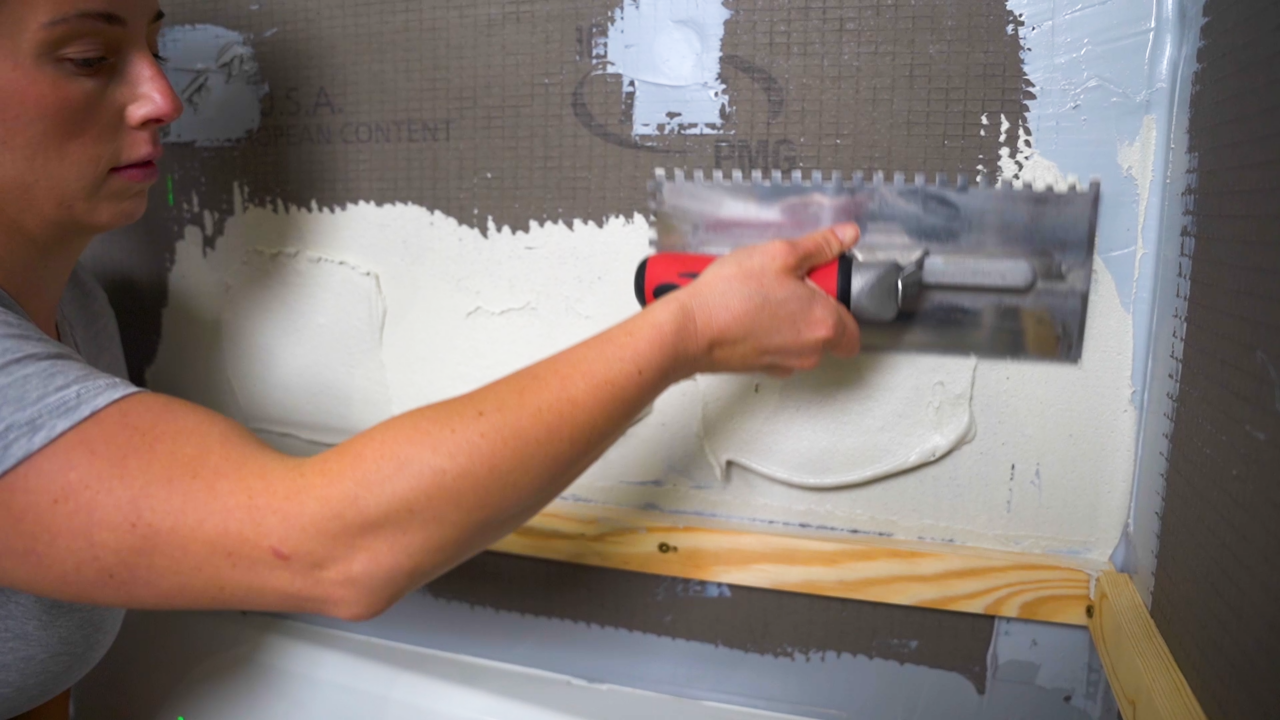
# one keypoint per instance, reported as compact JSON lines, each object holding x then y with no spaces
{"x":120,"y":213}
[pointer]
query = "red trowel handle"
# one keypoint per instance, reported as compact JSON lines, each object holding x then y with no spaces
{"x":660,"y":274}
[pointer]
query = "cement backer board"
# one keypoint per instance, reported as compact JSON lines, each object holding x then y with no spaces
{"x":924,"y":80}
{"x":516,"y":117}
{"x":1216,"y":578}
{"x":513,"y":112}
{"x":919,"y":62}
{"x":752,"y":620}
{"x":531,"y":135}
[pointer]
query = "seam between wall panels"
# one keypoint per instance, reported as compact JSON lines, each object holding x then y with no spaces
{"x":1139,"y":545}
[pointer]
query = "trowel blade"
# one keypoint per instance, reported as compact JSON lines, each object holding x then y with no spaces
{"x":962,"y":229}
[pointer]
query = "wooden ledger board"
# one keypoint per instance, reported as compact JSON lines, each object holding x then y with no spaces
{"x":901,"y":572}
{"x":1145,"y":679}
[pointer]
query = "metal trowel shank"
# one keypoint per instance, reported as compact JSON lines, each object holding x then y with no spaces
{"x":993,"y":271}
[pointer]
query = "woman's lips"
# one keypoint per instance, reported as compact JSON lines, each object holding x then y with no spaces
{"x":143,"y":172}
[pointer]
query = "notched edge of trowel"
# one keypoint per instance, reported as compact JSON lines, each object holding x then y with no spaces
{"x":1052,"y":228}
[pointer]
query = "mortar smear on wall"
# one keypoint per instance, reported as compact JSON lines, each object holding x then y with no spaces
{"x":399,"y":103}
{"x":215,"y":72}
{"x":669,"y":56}
{"x":439,"y":308}
{"x":1025,"y":165}
{"x":464,"y":308}
{"x":302,"y":344}
{"x":451,"y":327}
{"x":1137,"y":161}
{"x":782,"y":429}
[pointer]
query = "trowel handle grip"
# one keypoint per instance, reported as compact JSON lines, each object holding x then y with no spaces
{"x":660,"y":274}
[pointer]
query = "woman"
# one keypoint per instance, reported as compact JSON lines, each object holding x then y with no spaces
{"x":111,"y":497}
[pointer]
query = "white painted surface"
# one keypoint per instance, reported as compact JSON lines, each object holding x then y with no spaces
{"x":227,"y":667}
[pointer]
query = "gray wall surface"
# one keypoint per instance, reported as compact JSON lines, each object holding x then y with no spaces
{"x":807,"y":655}
{"x":1217,"y":575}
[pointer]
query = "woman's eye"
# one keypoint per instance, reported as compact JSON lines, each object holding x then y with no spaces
{"x":88,"y":64}
{"x":160,"y":58}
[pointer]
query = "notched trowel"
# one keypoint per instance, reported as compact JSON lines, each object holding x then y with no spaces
{"x":941,"y":267}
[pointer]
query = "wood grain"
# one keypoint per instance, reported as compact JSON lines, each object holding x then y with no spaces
{"x":1146,"y":681}
{"x":920,"y":574}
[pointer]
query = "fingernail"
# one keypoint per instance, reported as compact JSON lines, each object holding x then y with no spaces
{"x":847,"y":234}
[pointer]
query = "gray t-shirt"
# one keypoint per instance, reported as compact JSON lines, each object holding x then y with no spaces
{"x":46,"y":388}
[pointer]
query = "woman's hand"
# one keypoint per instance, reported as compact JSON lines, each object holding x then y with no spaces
{"x":755,"y":309}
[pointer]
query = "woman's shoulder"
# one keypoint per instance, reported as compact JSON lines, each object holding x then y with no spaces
{"x":88,"y":323}
{"x":47,"y":386}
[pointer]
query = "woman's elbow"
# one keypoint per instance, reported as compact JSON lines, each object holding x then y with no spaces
{"x":361,"y":601}
{"x":364,"y":588}
{"x":357,"y":607}
{"x":355,"y":599}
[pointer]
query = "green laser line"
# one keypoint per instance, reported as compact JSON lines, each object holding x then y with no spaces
{"x":169,"y":181}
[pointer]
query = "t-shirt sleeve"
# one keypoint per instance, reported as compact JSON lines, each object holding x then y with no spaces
{"x":45,"y":389}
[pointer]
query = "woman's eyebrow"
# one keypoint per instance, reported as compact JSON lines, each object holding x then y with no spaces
{"x":104,"y":17}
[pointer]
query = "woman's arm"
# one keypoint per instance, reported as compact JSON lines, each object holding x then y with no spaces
{"x":155,"y":502}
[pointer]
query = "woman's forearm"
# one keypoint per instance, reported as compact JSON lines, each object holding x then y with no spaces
{"x":440,"y":483}
{"x":154,"y":502}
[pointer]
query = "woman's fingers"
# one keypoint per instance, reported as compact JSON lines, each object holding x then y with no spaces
{"x":755,"y":309}
{"x":822,"y":246}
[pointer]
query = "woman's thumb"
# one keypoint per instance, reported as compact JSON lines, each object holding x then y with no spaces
{"x":823,"y":246}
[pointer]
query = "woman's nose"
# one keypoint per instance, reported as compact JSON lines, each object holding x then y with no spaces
{"x":155,"y":102}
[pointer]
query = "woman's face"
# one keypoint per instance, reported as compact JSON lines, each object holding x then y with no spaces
{"x":82,"y":101}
